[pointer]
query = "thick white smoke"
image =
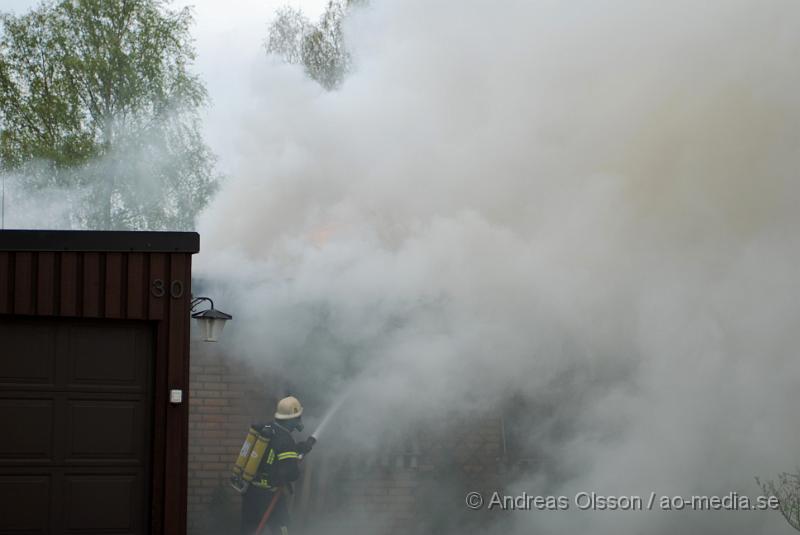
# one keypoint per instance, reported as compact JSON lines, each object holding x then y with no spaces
{"x":505,"y":195}
{"x":50,"y":208}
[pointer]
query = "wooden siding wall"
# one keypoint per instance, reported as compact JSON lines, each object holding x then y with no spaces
{"x":135,"y":286}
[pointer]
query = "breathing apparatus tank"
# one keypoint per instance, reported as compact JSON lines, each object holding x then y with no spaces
{"x":250,"y":456}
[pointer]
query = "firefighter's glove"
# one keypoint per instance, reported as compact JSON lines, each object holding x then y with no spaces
{"x":305,"y":446}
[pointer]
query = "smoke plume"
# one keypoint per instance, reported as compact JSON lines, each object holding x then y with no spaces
{"x":585,"y":206}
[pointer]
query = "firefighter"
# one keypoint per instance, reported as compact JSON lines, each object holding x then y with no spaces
{"x":278,"y":470}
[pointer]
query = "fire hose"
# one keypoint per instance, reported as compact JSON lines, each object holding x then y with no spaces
{"x":268,"y":512}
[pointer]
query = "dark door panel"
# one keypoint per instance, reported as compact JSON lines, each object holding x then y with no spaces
{"x":26,"y":502}
{"x":106,"y":356}
{"x":119,"y":436}
{"x":27,"y":429}
{"x":28,"y":354}
{"x":100,"y":502}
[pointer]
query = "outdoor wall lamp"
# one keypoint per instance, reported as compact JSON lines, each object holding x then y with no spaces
{"x":211,"y":320}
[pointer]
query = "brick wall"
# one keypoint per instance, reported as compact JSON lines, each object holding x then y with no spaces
{"x":412,"y":485}
{"x":225,"y":397}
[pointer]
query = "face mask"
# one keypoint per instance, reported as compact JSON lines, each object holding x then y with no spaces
{"x":294,"y":425}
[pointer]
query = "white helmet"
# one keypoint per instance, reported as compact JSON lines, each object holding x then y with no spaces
{"x":288,"y":408}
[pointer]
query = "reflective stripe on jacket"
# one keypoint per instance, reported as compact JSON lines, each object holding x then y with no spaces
{"x":279,"y":467}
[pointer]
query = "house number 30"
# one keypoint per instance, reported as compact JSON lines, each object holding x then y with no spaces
{"x":159,"y":288}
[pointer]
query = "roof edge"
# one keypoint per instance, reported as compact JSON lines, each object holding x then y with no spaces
{"x":99,"y":241}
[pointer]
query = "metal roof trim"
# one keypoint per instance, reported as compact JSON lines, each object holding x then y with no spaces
{"x":99,"y":241}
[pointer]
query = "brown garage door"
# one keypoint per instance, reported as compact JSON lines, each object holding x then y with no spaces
{"x":75,"y":426}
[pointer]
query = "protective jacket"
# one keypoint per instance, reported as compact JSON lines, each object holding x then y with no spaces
{"x":279,"y":466}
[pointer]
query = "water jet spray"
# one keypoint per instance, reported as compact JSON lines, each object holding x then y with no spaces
{"x":326,"y":419}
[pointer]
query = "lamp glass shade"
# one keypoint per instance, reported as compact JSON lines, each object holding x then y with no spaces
{"x":211,"y":328}
{"x":211,"y":323}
